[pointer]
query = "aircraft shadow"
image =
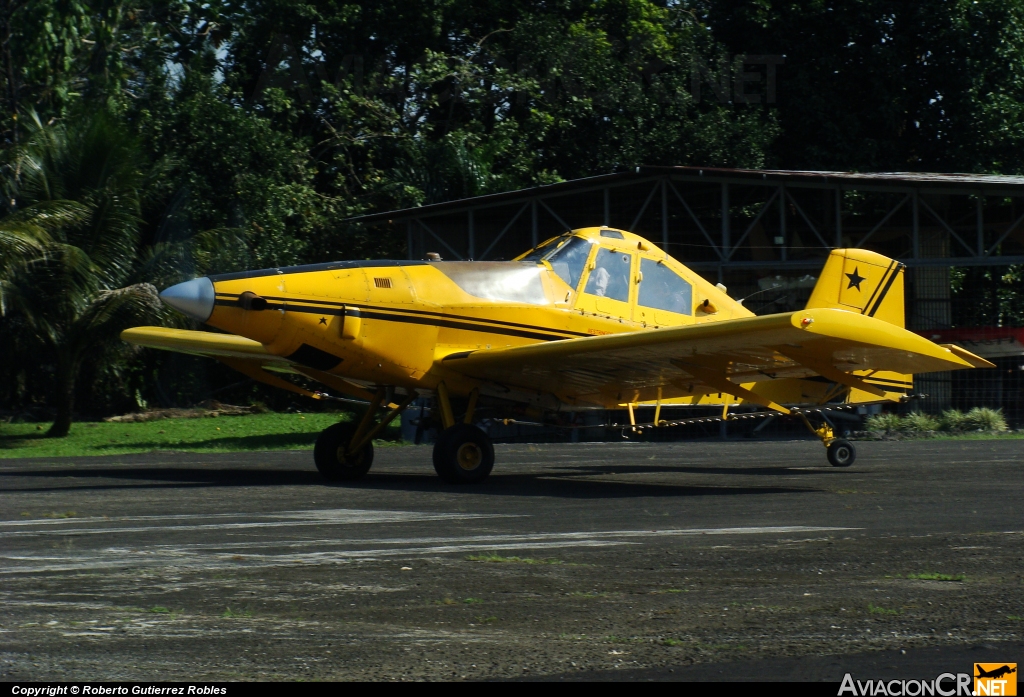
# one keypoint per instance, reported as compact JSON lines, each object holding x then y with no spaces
{"x":554,"y":483}
{"x":824,"y":468}
{"x":569,"y":485}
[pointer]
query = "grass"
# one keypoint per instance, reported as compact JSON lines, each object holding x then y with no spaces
{"x":203,"y":435}
{"x":498,"y":559}
{"x":875,"y":610}
{"x":936,"y":577}
{"x":233,"y":614}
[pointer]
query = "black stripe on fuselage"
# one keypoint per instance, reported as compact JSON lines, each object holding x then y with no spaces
{"x":466,"y":326}
{"x":295,"y":305}
{"x":439,"y":321}
{"x":334,"y":311}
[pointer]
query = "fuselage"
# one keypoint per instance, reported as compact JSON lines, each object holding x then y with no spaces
{"x":392,"y":322}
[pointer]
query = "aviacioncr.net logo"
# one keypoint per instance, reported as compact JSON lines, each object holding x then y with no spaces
{"x":945,"y":685}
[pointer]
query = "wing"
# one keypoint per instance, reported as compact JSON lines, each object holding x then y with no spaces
{"x":200,"y":343}
{"x":841,"y":347}
{"x":244,"y":355}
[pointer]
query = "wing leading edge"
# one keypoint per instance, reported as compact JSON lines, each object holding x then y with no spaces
{"x":247,"y":356}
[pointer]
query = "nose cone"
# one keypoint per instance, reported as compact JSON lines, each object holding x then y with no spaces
{"x":193,"y":298}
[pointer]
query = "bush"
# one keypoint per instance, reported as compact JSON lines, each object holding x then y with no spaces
{"x":918,"y":422}
{"x":953,"y":420}
{"x":886,"y":423}
{"x":985,"y":419}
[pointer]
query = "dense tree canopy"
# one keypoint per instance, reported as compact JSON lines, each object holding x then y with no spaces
{"x":256,"y":127}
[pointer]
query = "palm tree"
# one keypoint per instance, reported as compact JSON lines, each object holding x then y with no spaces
{"x":22,"y":238}
{"x":75,"y":281}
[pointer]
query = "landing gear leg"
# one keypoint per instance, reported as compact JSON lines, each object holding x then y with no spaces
{"x":344,"y":452}
{"x":463,"y":454}
{"x":841,"y":453}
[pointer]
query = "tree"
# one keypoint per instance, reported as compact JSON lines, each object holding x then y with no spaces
{"x":79,"y":287}
{"x":889,"y":85}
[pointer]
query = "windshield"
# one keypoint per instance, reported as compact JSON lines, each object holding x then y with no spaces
{"x":543,"y":249}
{"x":569,"y":259}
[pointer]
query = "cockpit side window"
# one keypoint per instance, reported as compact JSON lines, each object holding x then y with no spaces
{"x":610,"y":276}
{"x":569,"y":259}
{"x":663,"y":289}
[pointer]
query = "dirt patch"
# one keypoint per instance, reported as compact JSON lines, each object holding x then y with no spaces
{"x":211,"y":408}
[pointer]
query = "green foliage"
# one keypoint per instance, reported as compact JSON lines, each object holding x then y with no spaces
{"x":497,"y":558}
{"x":951,"y":421}
{"x":985,"y":419}
{"x":988,"y":296}
{"x":223,"y":434}
{"x":886,"y":423}
{"x":873,"y":86}
{"x":876,"y":610}
{"x":82,"y":287}
{"x":236,"y":614}
{"x":918,"y":422}
{"x":937,"y":577}
{"x":977,"y":419}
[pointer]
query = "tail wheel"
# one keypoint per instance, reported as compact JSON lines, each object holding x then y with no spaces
{"x":463,"y":454}
{"x":841,"y":453}
{"x":332,"y":458}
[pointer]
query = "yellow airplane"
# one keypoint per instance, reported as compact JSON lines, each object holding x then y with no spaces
{"x":596,"y":318}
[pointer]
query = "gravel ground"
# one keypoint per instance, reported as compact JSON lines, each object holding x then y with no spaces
{"x":570,"y":560}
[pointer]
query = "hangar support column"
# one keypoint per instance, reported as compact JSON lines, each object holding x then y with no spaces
{"x":929,"y":305}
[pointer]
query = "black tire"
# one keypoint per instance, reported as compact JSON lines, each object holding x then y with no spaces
{"x":463,"y":454}
{"x":841,"y":453}
{"x":330,"y":458}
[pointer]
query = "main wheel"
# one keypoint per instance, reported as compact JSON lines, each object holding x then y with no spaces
{"x":331,"y":458}
{"x":841,"y":453}
{"x":463,"y":454}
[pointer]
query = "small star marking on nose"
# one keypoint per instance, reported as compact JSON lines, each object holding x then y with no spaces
{"x":323,"y":320}
{"x":855,"y":279}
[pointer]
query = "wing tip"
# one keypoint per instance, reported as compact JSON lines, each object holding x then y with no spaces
{"x":969,"y":359}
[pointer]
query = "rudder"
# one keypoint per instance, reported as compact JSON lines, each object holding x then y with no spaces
{"x":861,"y":281}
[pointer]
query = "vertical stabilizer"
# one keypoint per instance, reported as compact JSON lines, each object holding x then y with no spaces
{"x":861,"y":281}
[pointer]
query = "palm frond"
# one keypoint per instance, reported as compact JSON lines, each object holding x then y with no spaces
{"x":50,"y":216}
{"x":113,"y":311}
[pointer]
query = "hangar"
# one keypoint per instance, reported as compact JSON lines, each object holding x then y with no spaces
{"x":766,"y":233}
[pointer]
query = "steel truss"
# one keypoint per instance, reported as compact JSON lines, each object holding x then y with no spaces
{"x":702,"y":207}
